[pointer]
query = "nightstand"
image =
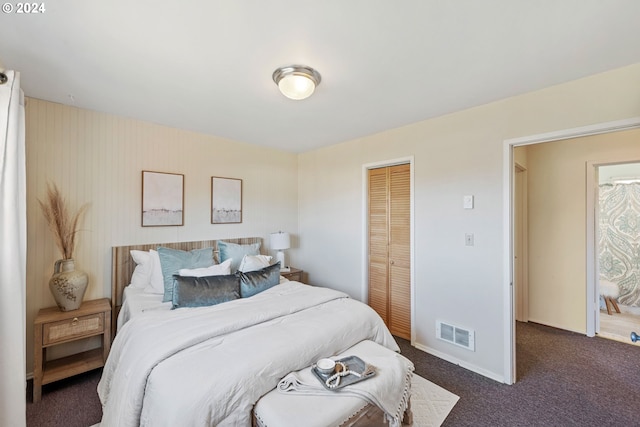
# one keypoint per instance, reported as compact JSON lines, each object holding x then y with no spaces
{"x":53,"y":327}
{"x":293,"y":274}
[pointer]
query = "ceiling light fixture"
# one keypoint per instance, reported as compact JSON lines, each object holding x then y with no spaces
{"x":296,"y":81}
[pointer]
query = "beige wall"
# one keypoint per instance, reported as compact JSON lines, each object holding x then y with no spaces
{"x":98,"y":158}
{"x":520,"y":156}
{"x":557,"y":222}
{"x":455,"y":155}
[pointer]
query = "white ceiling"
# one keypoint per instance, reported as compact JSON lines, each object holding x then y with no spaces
{"x":206,"y":65}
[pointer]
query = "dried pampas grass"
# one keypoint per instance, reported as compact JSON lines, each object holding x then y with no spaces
{"x":63,"y":225}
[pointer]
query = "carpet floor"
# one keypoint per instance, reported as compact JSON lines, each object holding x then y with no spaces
{"x":564,"y":379}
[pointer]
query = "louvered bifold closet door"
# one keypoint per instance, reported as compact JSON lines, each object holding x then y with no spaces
{"x":399,"y":251}
{"x":378,"y":242}
{"x":389,"y":247}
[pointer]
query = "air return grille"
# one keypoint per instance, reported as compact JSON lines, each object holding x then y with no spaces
{"x":456,"y":335}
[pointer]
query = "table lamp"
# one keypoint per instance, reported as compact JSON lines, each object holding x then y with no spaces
{"x":280,"y":241}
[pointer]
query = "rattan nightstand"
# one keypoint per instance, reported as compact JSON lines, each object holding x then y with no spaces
{"x":293,"y":274}
{"x":53,"y":327}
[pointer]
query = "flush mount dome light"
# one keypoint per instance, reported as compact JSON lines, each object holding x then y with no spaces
{"x":296,"y":81}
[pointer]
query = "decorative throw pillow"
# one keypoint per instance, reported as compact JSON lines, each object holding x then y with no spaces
{"x":142,"y":273}
{"x":254,"y":262}
{"x":172,"y":260}
{"x":203,"y":291}
{"x":156,"y":281}
{"x":215,"y":270}
{"x":254,"y":282}
{"x":236,"y":252}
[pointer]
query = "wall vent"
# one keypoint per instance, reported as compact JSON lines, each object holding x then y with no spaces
{"x":456,"y":335}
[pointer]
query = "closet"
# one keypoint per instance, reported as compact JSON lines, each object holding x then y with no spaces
{"x":389,"y":229}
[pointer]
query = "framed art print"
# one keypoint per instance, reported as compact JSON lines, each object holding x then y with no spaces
{"x":162,"y":199}
{"x":226,"y":200}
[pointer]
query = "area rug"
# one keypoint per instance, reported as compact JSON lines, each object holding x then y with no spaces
{"x":430,"y":403}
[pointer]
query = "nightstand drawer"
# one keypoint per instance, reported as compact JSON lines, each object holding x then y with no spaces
{"x":295,"y":276}
{"x":70,"y":329}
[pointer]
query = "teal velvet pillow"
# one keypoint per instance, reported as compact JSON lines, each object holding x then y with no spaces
{"x":236,"y":252}
{"x":254,"y":282}
{"x":172,"y":260}
{"x":203,"y":291}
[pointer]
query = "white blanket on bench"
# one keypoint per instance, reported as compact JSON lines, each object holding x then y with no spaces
{"x":389,"y":389}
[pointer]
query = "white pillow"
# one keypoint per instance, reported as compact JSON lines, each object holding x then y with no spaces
{"x":142,"y":273}
{"x":156,"y":281}
{"x":221,"y":269}
{"x":254,"y":262}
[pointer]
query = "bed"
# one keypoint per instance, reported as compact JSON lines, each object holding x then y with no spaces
{"x":209,"y":365}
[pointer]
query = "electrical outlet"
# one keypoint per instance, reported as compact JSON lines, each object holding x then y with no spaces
{"x":468,"y":239}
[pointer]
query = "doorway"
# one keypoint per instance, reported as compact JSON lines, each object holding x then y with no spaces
{"x":509,"y":220}
{"x":617,"y":207}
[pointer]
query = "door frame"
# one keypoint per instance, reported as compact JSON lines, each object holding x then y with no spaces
{"x":365,"y":230}
{"x":521,"y":280}
{"x":508,"y":185}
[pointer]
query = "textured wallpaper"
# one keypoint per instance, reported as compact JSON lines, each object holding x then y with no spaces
{"x":619,"y":239}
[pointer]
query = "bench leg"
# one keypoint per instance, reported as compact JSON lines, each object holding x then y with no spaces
{"x":407,"y":420}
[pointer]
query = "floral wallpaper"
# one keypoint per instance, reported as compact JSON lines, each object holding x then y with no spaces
{"x":619,"y":239}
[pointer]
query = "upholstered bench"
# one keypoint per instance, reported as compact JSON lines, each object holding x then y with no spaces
{"x":610,"y":293}
{"x":278,"y":409}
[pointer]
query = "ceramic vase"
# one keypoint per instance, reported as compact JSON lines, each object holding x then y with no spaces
{"x":68,"y":285}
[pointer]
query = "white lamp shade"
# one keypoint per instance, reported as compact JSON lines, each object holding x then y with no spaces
{"x":280,"y":240}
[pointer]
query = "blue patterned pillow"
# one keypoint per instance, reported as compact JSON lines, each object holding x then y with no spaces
{"x":236,"y":252}
{"x":254,"y":282}
{"x":204,"y":291}
{"x":172,"y":260}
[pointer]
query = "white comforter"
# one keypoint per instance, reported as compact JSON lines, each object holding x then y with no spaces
{"x":208,"y":366}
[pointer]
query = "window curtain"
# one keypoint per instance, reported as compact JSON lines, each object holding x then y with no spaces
{"x":13,"y":253}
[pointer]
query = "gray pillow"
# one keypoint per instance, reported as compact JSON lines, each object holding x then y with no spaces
{"x":172,"y":260}
{"x":254,"y":282}
{"x":203,"y":291}
{"x":236,"y":252}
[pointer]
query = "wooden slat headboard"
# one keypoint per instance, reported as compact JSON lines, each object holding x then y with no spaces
{"x":122,"y":265}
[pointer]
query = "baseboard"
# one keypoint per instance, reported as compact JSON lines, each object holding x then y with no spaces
{"x":564,"y":328}
{"x":461,"y":363}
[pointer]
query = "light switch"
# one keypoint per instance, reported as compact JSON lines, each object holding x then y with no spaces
{"x":468,"y":239}
{"x":467,"y":202}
